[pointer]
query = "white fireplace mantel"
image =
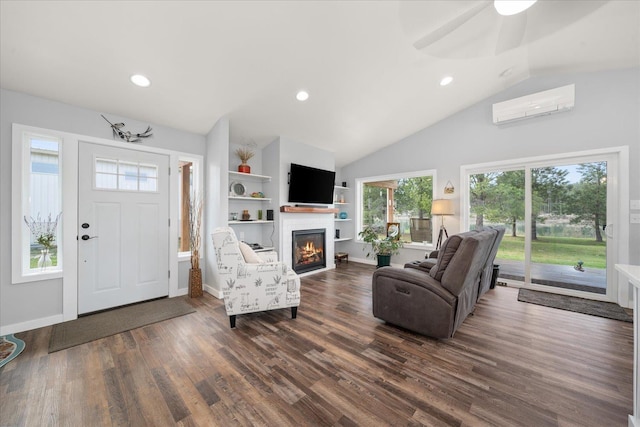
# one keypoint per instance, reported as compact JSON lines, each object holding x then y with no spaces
{"x":290,"y":222}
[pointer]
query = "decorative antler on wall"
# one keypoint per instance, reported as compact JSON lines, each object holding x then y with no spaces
{"x":126,"y":135}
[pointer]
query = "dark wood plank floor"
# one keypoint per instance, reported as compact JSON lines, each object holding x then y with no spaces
{"x":510,"y":364}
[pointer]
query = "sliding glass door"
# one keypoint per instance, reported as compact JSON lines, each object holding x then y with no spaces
{"x":556,"y":215}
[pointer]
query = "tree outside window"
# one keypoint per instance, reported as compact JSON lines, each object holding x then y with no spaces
{"x":405,"y":200}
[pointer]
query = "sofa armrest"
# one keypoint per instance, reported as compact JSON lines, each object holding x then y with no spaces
{"x":433,"y":254}
{"x":415,"y":277}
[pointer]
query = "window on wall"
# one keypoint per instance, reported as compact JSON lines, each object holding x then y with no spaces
{"x":188,"y":194}
{"x":403,"y":199}
{"x":114,"y":174}
{"x":41,"y":205}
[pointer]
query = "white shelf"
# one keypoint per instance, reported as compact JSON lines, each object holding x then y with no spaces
{"x":257,"y":221}
{"x":265,"y":249}
{"x":342,"y":239}
{"x":252,"y":176}
{"x":342,"y":220}
{"x":340,"y":203}
{"x":340,"y":187}
{"x":257,"y":199}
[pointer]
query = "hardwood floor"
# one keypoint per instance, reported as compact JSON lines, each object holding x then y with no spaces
{"x":510,"y":364}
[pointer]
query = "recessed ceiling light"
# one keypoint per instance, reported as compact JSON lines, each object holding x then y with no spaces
{"x":140,"y":80}
{"x":512,"y":7}
{"x":446,"y":80}
{"x":302,"y":96}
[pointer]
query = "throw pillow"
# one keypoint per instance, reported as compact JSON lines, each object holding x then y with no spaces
{"x":447,"y":251}
{"x":250,"y":257}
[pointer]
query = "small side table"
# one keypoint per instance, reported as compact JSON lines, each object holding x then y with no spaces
{"x":339,"y":256}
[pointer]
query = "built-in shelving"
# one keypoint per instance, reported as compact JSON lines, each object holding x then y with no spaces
{"x":342,"y":220}
{"x":342,"y":239}
{"x":255,"y":199}
{"x":251,"y":176}
{"x":237,"y":203}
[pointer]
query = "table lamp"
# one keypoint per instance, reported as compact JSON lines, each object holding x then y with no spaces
{"x":441,"y":207}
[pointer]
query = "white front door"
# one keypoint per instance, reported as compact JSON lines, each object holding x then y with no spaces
{"x":123,"y":226}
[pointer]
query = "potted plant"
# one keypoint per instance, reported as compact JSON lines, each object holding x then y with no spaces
{"x":245,"y":154}
{"x":195,"y":222}
{"x":381,"y":248}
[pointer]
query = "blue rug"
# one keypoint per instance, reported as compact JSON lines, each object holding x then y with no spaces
{"x":10,"y":348}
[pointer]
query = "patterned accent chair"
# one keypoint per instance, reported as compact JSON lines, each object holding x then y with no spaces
{"x":252,"y":281}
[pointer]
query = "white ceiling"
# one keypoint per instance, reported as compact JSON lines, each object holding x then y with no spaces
{"x":369,"y":85}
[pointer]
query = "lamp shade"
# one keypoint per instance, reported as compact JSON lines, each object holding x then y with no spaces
{"x":442,"y":207}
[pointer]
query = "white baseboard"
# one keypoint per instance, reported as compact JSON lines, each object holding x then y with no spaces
{"x":180,"y":292}
{"x":213,"y":291}
{"x":31,"y":324}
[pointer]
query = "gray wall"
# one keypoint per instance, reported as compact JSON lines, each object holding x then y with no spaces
{"x":216,"y":210}
{"x":30,"y":301}
{"x":607,"y":114}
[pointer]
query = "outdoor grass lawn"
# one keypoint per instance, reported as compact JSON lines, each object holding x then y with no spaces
{"x":556,"y":250}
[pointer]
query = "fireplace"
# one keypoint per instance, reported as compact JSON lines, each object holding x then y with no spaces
{"x":308,"y":250}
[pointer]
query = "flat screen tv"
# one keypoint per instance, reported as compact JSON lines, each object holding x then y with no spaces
{"x":311,"y":185}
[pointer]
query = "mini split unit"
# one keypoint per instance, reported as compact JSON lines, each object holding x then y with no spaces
{"x":535,"y":105}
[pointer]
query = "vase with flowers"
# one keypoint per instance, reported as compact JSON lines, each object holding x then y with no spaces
{"x":195,"y":221}
{"x":44,"y":233}
{"x":244,"y":154}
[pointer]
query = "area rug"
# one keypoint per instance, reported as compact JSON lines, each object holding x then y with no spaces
{"x":580,"y":305}
{"x":107,"y":323}
{"x":10,"y":348}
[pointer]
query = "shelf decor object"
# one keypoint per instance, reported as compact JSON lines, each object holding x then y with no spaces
{"x":237,"y":189}
{"x":245,"y":154}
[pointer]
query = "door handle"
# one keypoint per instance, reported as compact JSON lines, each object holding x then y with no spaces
{"x":86,"y":237}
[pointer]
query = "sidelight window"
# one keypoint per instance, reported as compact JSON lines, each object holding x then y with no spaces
{"x":38,"y":233}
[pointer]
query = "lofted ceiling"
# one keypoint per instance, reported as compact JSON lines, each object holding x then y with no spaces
{"x":372,"y":68}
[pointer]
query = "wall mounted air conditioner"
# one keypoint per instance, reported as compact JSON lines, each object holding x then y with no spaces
{"x":535,"y":105}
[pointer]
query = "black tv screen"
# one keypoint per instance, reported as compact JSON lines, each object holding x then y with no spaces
{"x":311,"y":185}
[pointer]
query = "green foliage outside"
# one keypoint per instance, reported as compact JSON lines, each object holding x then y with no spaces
{"x":35,"y":256}
{"x":556,"y":250}
{"x":412,"y":199}
{"x":498,"y":197}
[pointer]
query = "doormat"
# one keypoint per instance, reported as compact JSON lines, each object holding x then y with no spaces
{"x":107,"y":323}
{"x":608,"y":310}
{"x":10,"y":348}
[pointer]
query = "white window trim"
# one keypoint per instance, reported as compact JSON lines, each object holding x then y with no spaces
{"x":69,"y":185}
{"x":21,"y":155}
{"x":619,"y":290}
{"x":198,"y":186}
{"x":413,"y":174}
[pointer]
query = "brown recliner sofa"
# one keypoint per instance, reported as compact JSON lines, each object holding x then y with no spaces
{"x":435,"y":303}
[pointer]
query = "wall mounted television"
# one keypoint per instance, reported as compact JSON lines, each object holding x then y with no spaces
{"x":311,"y":185}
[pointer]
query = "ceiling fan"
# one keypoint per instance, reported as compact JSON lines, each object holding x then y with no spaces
{"x":479,"y":29}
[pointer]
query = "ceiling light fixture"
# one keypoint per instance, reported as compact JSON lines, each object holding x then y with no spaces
{"x":302,"y":96}
{"x":140,"y":80}
{"x":446,"y":80}
{"x":512,"y":7}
